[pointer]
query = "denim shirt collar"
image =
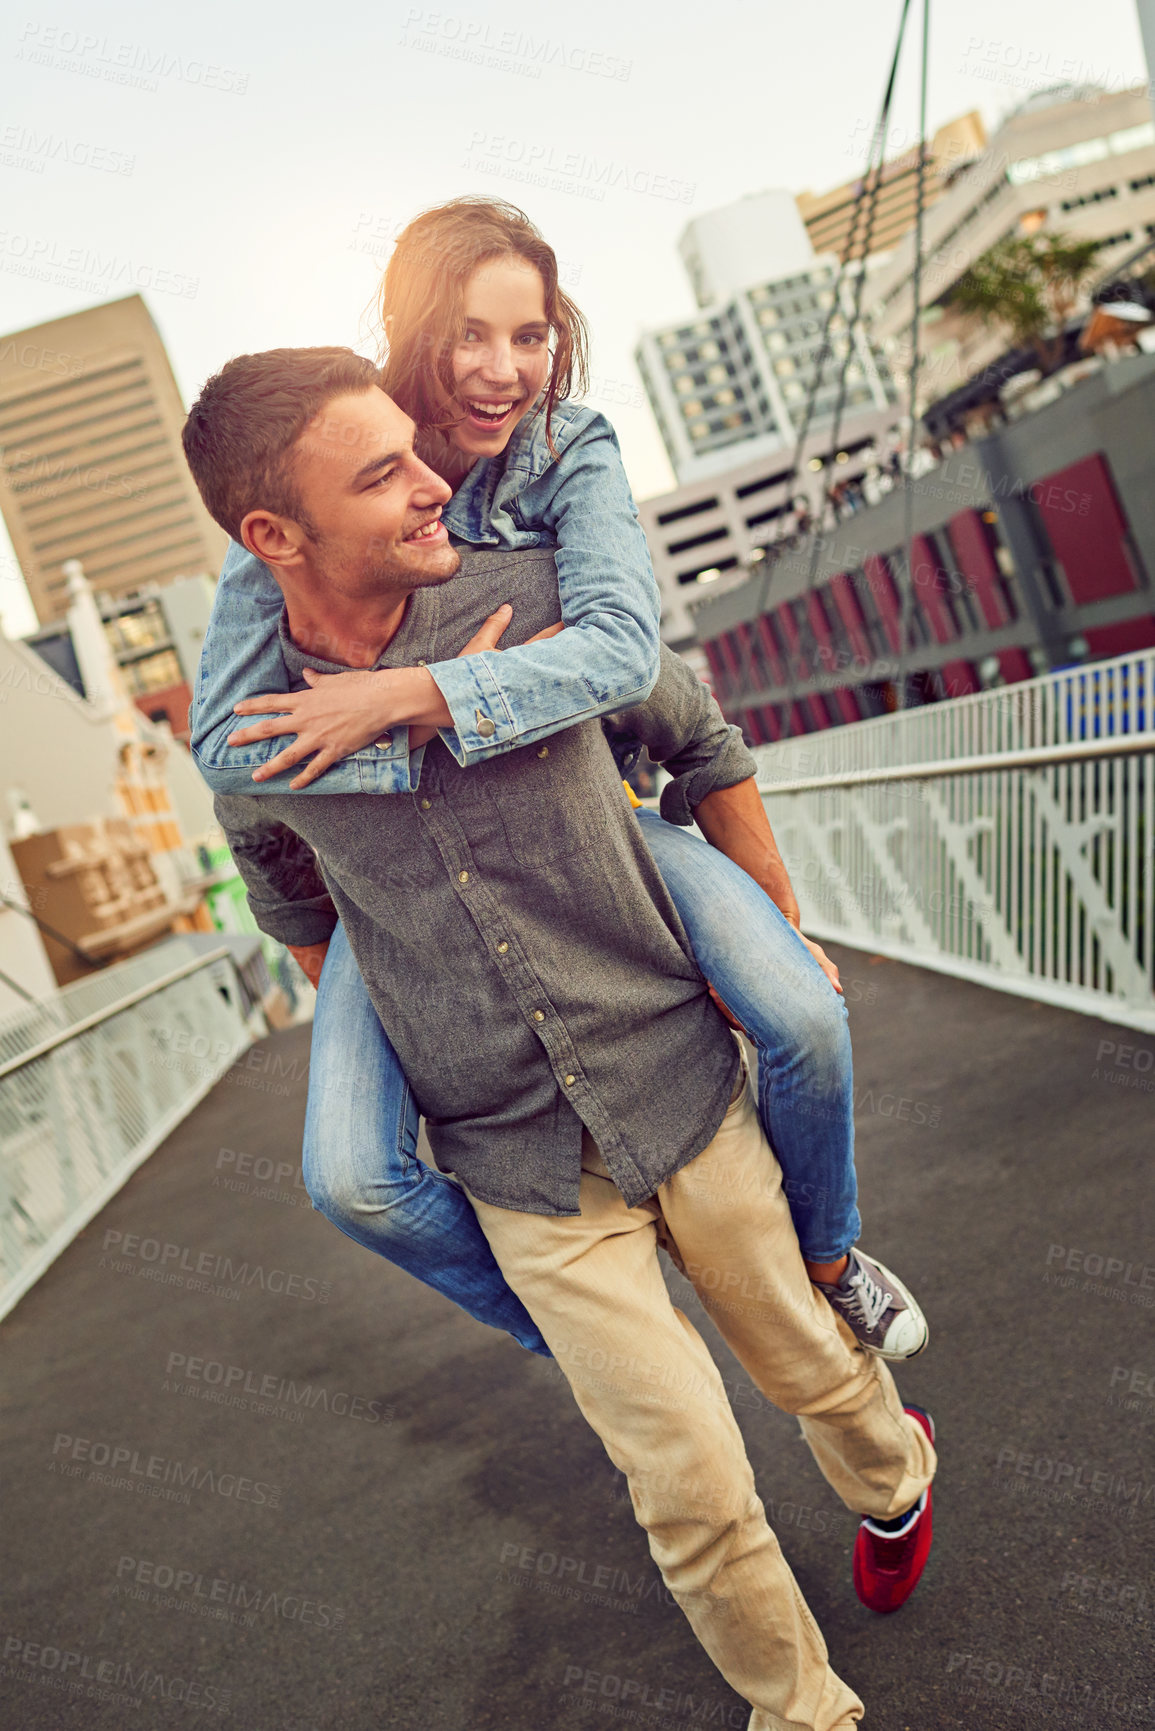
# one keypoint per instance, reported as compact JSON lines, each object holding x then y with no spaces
{"x":479,"y":510}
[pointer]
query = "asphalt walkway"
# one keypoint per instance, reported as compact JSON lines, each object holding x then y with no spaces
{"x":304,"y":1493}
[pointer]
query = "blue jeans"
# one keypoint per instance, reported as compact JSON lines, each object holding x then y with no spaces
{"x":796,"y":1021}
{"x":360,"y":1160}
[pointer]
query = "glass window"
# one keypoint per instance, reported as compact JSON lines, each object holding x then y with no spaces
{"x":154,"y":673}
{"x":717,"y":375}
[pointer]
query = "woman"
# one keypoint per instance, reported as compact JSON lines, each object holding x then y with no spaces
{"x":484,"y":350}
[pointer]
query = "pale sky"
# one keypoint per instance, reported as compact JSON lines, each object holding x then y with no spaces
{"x":253,"y":163}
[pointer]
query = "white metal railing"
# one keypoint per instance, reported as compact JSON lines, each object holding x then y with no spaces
{"x":83,"y":1105}
{"x":29,"y":1023}
{"x":1006,"y":837}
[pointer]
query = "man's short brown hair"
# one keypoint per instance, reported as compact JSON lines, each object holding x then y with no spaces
{"x":239,"y":435}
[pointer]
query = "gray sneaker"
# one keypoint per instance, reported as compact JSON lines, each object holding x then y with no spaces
{"x":877,"y":1308}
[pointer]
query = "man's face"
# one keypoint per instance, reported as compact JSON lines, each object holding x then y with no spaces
{"x":374,"y":506}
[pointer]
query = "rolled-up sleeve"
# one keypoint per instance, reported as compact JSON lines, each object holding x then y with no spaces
{"x":683,"y":729}
{"x":609,"y":658}
{"x":287,"y":893}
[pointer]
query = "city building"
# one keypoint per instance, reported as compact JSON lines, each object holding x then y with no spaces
{"x":830,"y":216}
{"x":91,"y":466}
{"x":1074,"y":160}
{"x":709,"y":532}
{"x":755,"y":239}
{"x":155,"y":637}
{"x":1033,"y":548}
{"x":732,"y":385}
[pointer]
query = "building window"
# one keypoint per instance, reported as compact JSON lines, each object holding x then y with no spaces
{"x":154,"y":673}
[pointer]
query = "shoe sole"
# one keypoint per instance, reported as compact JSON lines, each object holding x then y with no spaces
{"x":912,"y":1305}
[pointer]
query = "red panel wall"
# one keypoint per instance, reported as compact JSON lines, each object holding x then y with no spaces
{"x":752,"y":723}
{"x":1085,"y":522}
{"x":717,"y":667}
{"x":929,"y":590}
{"x":792,"y":640}
{"x":882,"y":587}
{"x":770,"y":648}
{"x":960,"y":678}
{"x":976,"y":561}
{"x":845,"y":703}
{"x":1119,"y":639}
{"x":820,"y":625}
{"x":1015,"y":665}
{"x":846,"y":601}
{"x":175,"y":701}
{"x":817,"y":711}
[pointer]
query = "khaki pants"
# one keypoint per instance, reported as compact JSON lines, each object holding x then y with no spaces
{"x":644,"y":1379}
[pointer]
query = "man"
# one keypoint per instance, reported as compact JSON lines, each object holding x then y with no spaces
{"x":534,"y":978}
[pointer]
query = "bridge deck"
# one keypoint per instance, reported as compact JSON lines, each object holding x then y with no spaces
{"x":404,"y":1575}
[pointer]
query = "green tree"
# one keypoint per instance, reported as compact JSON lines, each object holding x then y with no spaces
{"x":1030,"y":285}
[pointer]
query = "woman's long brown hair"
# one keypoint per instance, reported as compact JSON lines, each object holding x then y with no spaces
{"x":422,"y":297}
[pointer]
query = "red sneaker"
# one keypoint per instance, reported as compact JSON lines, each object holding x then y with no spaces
{"x":888,"y":1560}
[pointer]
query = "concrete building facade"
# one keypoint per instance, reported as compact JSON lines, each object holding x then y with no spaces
{"x":732,"y":385}
{"x":707,"y":534}
{"x":830,"y":216}
{"x":91,"y":466}
{"x":1073,"y":160}
{"x":1033,"y":548}
{"x":755,"y":239}
{"x":155,"y":637}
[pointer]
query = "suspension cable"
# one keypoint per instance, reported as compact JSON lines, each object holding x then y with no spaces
{"x":906,"y":609}
{"x":866,"y":205}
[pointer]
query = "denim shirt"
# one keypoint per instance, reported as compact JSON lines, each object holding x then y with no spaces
{"x":578,"y":502}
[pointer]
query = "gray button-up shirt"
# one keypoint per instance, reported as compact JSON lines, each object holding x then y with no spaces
{"x":510,"y":924}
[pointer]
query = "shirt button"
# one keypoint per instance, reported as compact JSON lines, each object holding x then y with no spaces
{"x":502,"y":947}
{"x":384,"y":742}
{"x":570,"y":1080}
{"x":544,"y":752}
{"x":420,"y":663}
{"x":463,"y":877}
{"x":426,"y":804}
{"x":539,"y":1015}
{"x":486,"y":728}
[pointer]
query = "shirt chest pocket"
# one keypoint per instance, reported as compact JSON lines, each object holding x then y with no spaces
{"x":551,"y":809}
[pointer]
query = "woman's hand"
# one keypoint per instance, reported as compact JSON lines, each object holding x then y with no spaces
{"x":340,"y":713}
{"x":828,"y":967}
{"x":343,"y":712}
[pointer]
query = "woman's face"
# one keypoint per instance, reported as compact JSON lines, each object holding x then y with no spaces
{"x":502,"y":360}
